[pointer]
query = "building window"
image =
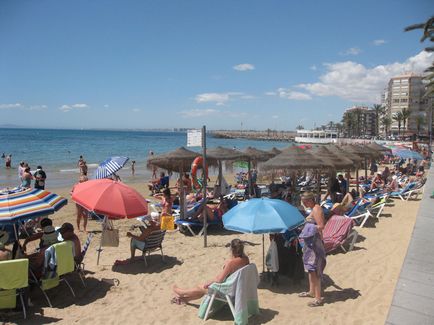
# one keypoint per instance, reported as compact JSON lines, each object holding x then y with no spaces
{"x":404,"y":100}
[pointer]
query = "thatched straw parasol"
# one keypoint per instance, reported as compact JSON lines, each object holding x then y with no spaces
{"x":178,"y":160}
{"x":379,"y":148}
{"x":341,"y":152}
{"x":339,"y":162}
{"x":257,"y":155}
{"x":275,"y":151}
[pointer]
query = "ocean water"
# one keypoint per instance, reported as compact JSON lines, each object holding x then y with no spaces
{"x":58,"y":151}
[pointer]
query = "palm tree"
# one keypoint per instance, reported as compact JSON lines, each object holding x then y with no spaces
{"x":339,"y":128}
{"x":379,"y":111}
{"x":358,"y":117}
{"x":398,"y":117}
{"x":405,"y":116}
{"x":300,"y":127}
{"x":420,"y":121}
{"x":387,"y":122}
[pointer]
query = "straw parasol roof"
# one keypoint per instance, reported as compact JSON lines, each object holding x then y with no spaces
{"x":295,"y":159}
{"x":257,"y":155}
{"x":338,"y":161}
{"x":362,"y":151}
{"x":275,"y":151}
{"x":341,"y":152}
{"x":178,"y":160}
{"x":221,"y":153}
{"x":378,"y":147}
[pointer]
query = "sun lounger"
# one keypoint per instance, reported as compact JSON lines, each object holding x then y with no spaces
{"x":337,"y":232}
{"x":405,"y":193}
{"x":239,"y":291}
{"x":194,"y":226}
{"x":360,"y":212}
{"x":13,"y":280}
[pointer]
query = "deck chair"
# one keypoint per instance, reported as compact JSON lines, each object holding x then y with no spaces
{"x":79,"y":267}
{"x":189,"y":226}
{"x":337,"y":232}
{"x":14,"y":278}
{"x":239,"y":291}
{"x":54,"y":274}
{"x":154,"y":242}
{"x":404,"y":193}
{"x":360,"y":212}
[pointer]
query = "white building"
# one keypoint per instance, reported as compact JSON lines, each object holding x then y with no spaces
{"x":316,"y":136}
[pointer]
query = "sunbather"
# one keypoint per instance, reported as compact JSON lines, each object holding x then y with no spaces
{"x":138,"y":242}
{"x":5,"y":254}
{"x":237,"y":260}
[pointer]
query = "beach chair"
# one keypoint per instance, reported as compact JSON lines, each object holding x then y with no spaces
{"x":377,"y":208}
{"x":360,"y":212}
{"x":337,"y":232}
{"x":194,"y":227}
{"x":79,"y":267}
{"x":239,"y":291}
{"x":154,"y":242}
{"x":59,"y":264}
{"x":14,"y":278}
{"x":404,"y":193}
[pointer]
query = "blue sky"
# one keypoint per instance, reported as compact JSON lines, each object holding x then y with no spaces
{"x":145,"y":64}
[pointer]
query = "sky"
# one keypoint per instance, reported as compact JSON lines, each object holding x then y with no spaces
{"x":247,"y":64}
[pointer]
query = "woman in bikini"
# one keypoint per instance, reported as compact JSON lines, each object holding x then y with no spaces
{"x":237,"y":261}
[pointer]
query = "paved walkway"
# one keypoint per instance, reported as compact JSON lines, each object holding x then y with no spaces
{"x":413,"y":301}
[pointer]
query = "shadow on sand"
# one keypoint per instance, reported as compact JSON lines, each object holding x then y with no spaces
{"x":155,"y":265}
{"x":264,"y":316}
{"x":340,"y":294}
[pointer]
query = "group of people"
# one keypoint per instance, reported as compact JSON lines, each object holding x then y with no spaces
{"x":26,"y":177}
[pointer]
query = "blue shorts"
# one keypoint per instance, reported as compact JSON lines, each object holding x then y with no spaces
{"x":137,"y":244}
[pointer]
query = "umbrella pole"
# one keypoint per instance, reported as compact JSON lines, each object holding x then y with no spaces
{"x":366,"y":169}
{"x":263,"y":254}
{"x":99,"y":250}
{"x":220,"y":176}
{"x":204,"y":182}
{"x":357,"y":179}
{"x":319,"y":187}
{"x":182,"y":196}
{"x":249,"y":179}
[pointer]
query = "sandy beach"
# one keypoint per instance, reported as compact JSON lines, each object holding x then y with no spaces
{"x":358,"y":285}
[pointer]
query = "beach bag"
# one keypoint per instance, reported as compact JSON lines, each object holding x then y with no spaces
{"x":110,"y":237}
{"x":167,"y":223}
{"x":272,"y":258}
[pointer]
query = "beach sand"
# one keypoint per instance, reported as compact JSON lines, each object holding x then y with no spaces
{"x":358,"y":285}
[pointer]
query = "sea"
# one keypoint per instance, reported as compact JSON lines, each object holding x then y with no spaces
{"x":58,"y":151}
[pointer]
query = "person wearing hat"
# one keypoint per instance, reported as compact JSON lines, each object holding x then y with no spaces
{"x":40,"y":177}
{"x":47,"y":237}
{"x":5,"y":254}
{"x":314,"y":257}
{"x":67,"y":232}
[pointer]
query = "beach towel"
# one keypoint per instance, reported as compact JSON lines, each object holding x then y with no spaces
{"x":242,"y":288}
{"x":314,"y":256}
{"x":50,"y":263}
{"x":336,"y":232}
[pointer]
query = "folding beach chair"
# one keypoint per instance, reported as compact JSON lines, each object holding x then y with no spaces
{"x":55,"y":273}
{"x":337,"y":232}
{"x":14,"y":278}
{"x":154,"y":242}
{"x":239,"y":291}
{"x":360,"y":212}
{"x":79,"y":267}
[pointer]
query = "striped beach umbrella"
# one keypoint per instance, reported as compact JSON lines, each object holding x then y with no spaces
{"x":17,"y":205}
{"x":110,"y":166}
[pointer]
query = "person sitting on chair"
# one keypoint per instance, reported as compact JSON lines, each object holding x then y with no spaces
{"x":5,"y":254}
{"x":67,"y":232}
{"x":138,"y":242}
{"x":237,"y":260}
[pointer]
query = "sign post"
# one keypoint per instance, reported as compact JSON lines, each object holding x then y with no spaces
{"x":197,"y":138}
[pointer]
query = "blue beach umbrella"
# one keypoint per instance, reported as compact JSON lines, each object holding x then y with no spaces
{"x":262,"y":216}
{"x":110,"y":166}
{"x":407,"y":153}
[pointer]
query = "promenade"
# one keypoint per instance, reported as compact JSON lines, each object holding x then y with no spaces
{"x":413,"y":301}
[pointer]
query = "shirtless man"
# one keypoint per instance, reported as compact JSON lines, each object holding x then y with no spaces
{"x":138,"y":242}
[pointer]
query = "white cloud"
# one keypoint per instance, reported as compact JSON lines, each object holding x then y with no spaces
{"x":294,"y":95}
{"x":66,"y":108}
{"x":199,"y":112}
{"x":313,"y":67}
{"x":244,"y":67}
{"x":136,"y":110}
{"x":353,"y":81}
{"x":218,"y":98}
{"x":379,"y":42}
{"x":106,"y":106}
{"x":36,"y":107}
{"x":10,"y":106}
{"x":351,"y":51}
{"x":271,"y":93}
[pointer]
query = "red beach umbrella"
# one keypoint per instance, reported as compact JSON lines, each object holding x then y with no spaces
{"x":110,"y":198}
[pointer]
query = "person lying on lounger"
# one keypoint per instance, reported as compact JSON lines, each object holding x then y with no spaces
{"x":237,"y":260}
